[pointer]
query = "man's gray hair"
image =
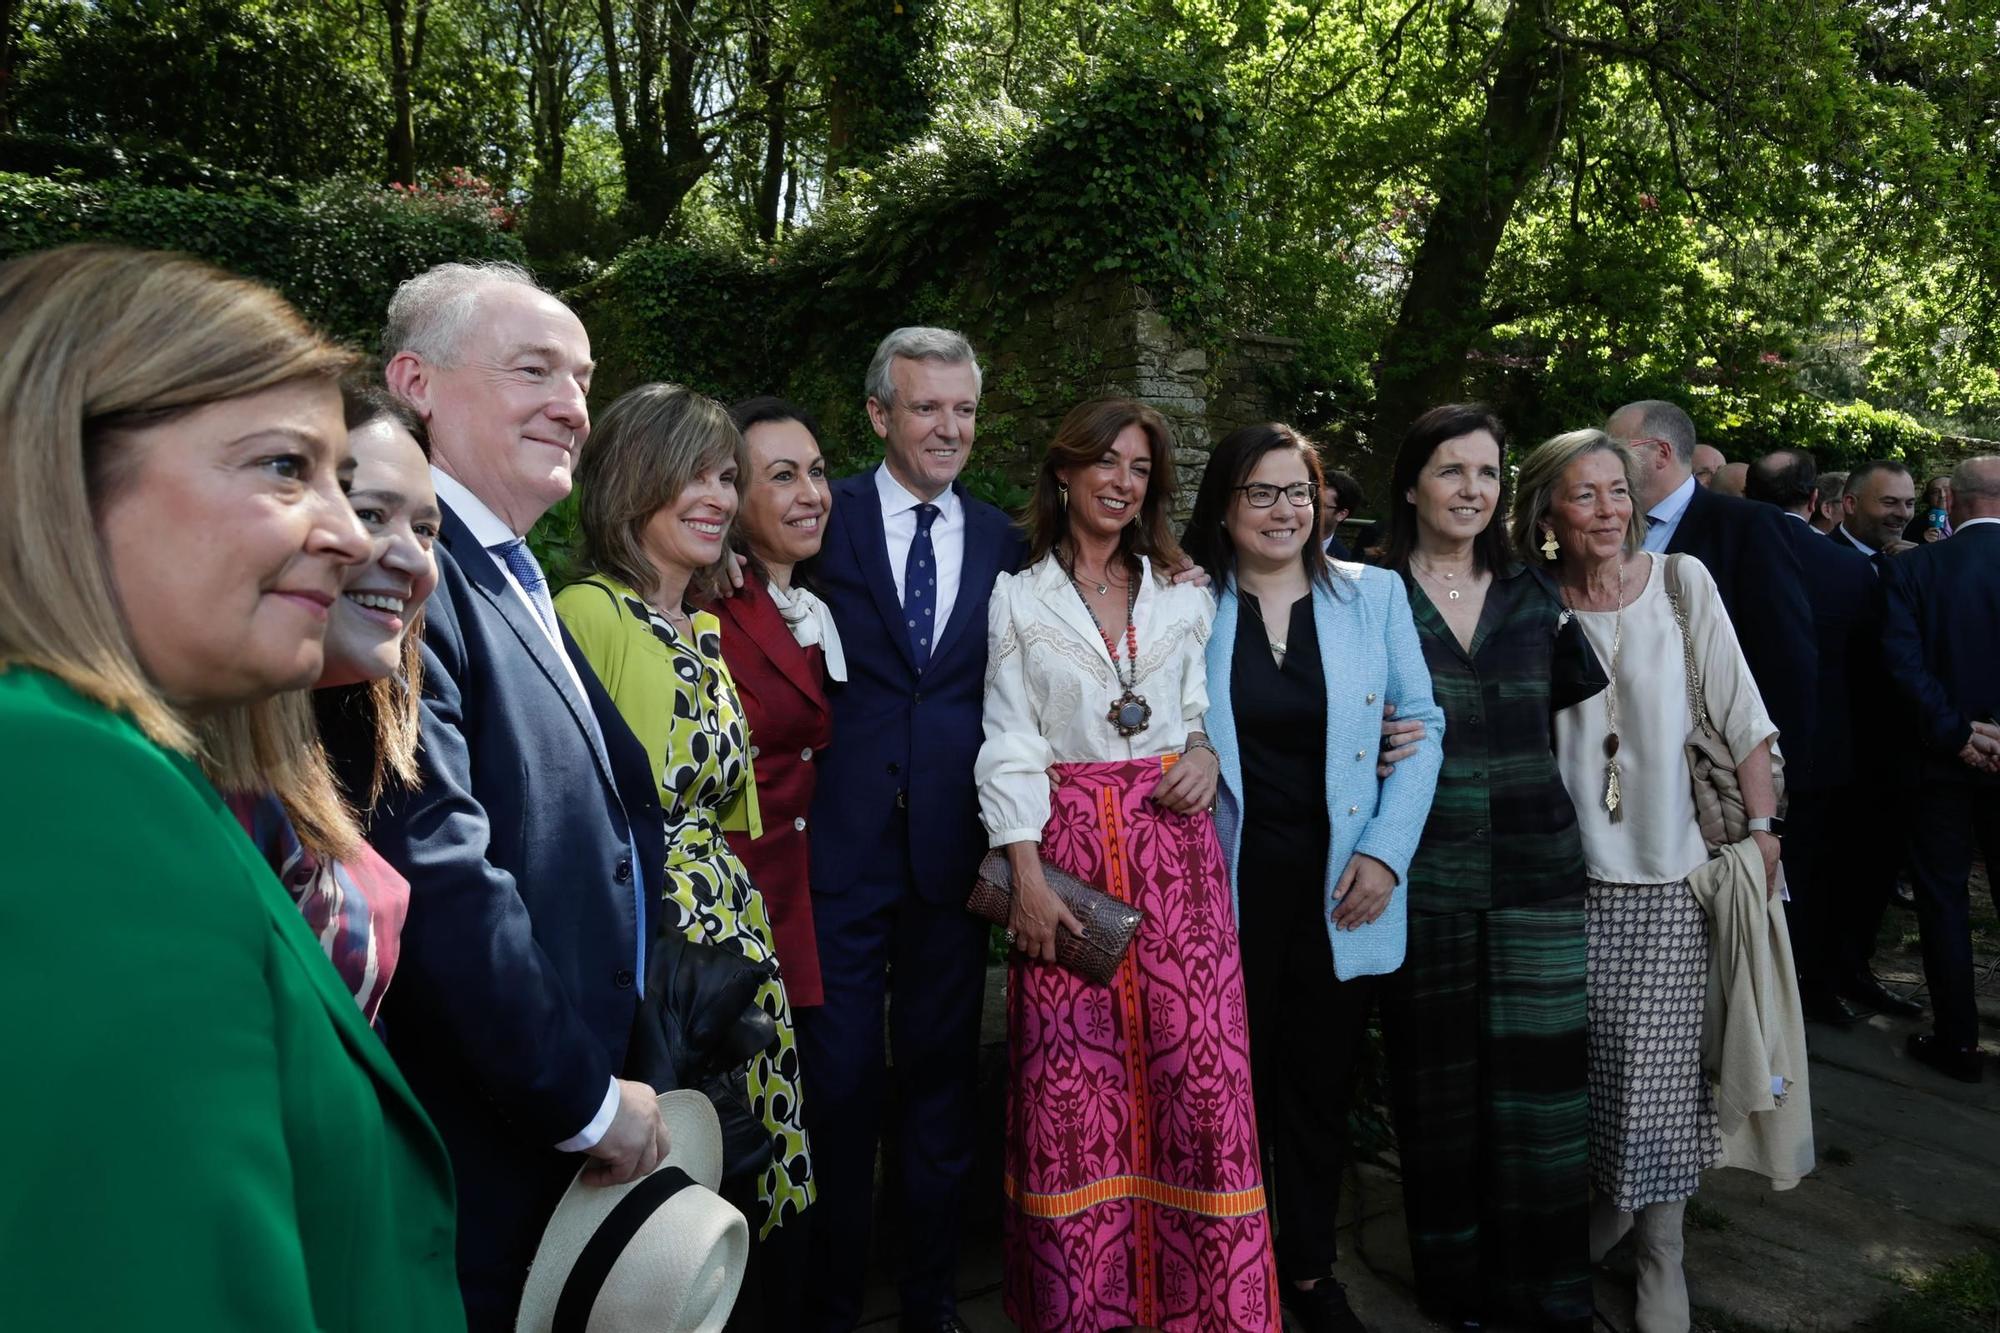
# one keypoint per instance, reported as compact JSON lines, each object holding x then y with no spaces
{"x":430,"y":313}
{"x":1978,"y":477}
{"x":1661,"y":420}
{"x":918,"y":343}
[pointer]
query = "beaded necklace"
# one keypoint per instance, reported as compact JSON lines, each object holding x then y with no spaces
{"x":1129,"y":713}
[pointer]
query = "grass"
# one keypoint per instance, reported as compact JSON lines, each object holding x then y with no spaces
{"x":1959,"y":1296}
{"x":1706,"y":1217}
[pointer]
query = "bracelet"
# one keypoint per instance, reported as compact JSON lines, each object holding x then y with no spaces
{"x":1197,"y":741}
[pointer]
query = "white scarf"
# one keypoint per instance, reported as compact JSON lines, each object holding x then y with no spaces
{"x":811,"y":622}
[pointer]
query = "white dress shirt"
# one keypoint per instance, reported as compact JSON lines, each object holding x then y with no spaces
{"x":1856,"y":543}
{"x":1663,"y":518}
{"x":899,"y":529}
{"x":1050,"y":684}
{"x":1972,"y":523}
{"x":490,"y":530}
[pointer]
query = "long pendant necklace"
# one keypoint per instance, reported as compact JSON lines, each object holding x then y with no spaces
{"x":1129,"y":713}
{"x":1613,"y":797}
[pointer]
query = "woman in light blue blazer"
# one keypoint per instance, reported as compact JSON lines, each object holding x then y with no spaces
{"x":1304,"y":654}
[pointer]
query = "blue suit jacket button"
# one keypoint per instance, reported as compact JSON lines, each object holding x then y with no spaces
{"x":623,"y":873}
{"x":624,"y":978}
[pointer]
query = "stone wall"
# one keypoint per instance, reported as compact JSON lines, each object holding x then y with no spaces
{"x":1107,"y":336}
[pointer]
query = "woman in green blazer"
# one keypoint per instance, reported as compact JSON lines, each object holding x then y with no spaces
{"x":203,"y":1132}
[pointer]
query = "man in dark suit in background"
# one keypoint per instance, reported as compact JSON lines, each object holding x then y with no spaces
{"x":1339,"y":495}
{"x":1841,"y":588}
{"x":1877,"y":499}
{"x":1749,"y":554}
{"x":1941,"y":642}
{"x":907,"y":567}
{"x":532,"y":840}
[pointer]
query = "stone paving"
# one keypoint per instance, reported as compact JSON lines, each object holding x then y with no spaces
{"x":1909,"y":1179}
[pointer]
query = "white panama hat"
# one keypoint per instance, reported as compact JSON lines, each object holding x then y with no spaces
{"x":663,"y":1254}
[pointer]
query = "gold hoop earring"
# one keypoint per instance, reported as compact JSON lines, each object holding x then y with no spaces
{"x":1549,"y":548}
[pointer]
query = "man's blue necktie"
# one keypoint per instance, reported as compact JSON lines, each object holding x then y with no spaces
{"x":920,"y":588}
{"x":527,"y":572}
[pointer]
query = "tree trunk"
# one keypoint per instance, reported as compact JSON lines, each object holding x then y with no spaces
{"x":774,"y":86}
{"x":406,"y":52}
{"x":10,"y":46}
{"x":1481,"y":179}
{"x":547,"y":31}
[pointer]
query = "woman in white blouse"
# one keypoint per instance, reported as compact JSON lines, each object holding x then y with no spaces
{"x":1134,"y":1191}
{"x":1653,"y":1127}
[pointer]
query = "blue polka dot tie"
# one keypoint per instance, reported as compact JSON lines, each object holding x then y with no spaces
{"x":920,"y":588}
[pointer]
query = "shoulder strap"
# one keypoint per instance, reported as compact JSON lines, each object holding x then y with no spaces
{"x":1677,"y":598}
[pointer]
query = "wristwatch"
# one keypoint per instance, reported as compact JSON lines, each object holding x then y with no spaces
{"x":1770,"y":824}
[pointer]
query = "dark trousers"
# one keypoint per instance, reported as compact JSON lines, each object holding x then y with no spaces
{"x":770,"y":1299}
{"x":1947,"y":821}
{"x":1813,"y":869}
{"x":1861,"y":872}
{"x":1306,"y":1031}
{"x":1484,"y":1026}
{"x":879,"y":939}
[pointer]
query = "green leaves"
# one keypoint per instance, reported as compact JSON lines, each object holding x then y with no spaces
{"x":338,"y":254}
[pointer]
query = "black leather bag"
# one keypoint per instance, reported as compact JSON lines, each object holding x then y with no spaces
{"x":701,"y":1026}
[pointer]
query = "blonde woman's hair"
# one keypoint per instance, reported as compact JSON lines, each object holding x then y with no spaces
{"x":642,"y":453}
{"x":1542,"y":471}
{"x":96,"y":342}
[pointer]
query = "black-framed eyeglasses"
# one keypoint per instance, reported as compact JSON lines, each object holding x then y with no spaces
{"x":1262,"y":494}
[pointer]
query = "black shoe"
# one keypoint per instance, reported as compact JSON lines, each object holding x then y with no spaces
{"x":1821,"y":1005}
{"x":1959,"y":1062}
{"x":1864,"y":990}
{"x":1321,"y":1308}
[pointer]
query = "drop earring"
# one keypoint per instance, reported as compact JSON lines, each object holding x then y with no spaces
{"x":1549,"y":548}
{"x":1062,"y":497}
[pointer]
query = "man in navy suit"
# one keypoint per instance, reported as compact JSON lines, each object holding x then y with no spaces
{"x":1339,"y":495}
{"x":1877,"y":499}
{"x":533,"y":842}
{"x":907,"y":567}
{"x":1941,"y":642}
{"x":1841,"y":588}
{"x":1751,"y":557}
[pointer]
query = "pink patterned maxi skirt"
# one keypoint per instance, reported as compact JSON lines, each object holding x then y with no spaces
{"x":1135,"y":1193}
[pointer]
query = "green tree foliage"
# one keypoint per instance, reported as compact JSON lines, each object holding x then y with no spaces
{"x":338,"y":253}
{"x":1785,"y":216}
{"x":264,"y":86}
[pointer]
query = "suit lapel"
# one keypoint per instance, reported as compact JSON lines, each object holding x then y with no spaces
{"x":870,"y":545}
{"x":338,"y":1002}
{"x":1692,"y":519}
{"x":755,"y":617}
{"x":978,"y":567}
{"x":480,"y":570}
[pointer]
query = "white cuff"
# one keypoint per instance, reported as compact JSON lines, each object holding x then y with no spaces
{"x":1007,"y":835}
{"x":593,"y":1133}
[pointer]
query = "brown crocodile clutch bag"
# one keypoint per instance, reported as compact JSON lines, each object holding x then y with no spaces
{"x":1108,"y":924}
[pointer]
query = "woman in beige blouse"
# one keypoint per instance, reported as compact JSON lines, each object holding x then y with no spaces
{"x":1653,"y":1126}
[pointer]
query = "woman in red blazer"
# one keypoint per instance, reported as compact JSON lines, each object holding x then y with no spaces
{"x":780,"y":644}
